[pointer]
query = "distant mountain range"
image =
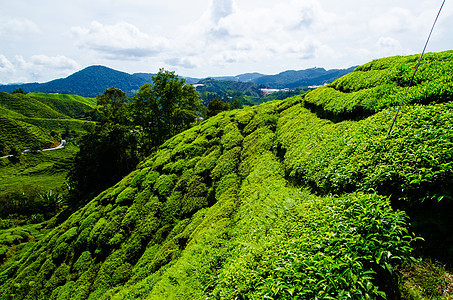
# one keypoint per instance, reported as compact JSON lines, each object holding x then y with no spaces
{"x":93,"y":80}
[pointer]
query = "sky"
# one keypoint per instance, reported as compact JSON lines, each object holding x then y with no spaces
{"x":48,"y":39}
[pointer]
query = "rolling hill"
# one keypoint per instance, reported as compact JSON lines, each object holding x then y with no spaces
{"x":305,"y":198}
{"x":302,"y":78}
{"x":223,"y":88}
{"x":93,"y":80}
{"x":37,"y":120}
{"x":89,"y":82}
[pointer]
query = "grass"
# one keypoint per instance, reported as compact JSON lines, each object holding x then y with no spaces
{"x":25,"y":105}
{"x":38,"y":120}
{"x":17,"y":134}
{"x":425,"y":279}
{"x":91,"y":102}
{"x":42,"y":171}
{"x":73,"y":106}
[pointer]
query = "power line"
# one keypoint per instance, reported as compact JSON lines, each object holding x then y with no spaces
{"x":416,"y":68}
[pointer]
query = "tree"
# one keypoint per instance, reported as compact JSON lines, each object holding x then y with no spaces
{"x":113,"y":106}
{"x":106,"y":155}
{"x":16,"y":153}
{"x":127,"y":131}
{"x":164,"y":108}
{"x":107,"y":152}
{"x":19,"y":91}
{"x":216,"y":106}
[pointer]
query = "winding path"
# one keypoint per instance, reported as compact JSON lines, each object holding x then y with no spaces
{"x":63,"y":143}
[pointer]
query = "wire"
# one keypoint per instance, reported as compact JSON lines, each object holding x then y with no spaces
{"x":416,"y":68}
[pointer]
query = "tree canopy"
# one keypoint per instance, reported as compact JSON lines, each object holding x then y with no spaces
{"x":130,"y":129}
{"x":164,"y":108}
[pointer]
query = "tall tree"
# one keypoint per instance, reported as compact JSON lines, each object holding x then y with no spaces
{"x":113,"y":106}
{"x":217,"y":105}
{"x":164,"y":108}
{"x":107,"y":152}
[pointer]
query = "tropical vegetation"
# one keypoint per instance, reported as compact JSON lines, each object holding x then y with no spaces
{"x":304,"y":198}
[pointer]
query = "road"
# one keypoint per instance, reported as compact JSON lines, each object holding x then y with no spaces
{"x":63,"y":143}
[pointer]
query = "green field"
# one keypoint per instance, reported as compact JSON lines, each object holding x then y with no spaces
{"x":38,"y":120}
{"x":73,"y":106}
{"x":304,"y":198}
{"x":41,"y":171}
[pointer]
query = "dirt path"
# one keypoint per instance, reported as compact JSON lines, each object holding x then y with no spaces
{"x":62,"y":144}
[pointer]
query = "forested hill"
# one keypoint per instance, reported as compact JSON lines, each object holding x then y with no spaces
{"x":224,"y":89}
{"x":292,"y":199}
{"x":89,"y":82}
{"x":37,"y":120}
{"x":303,"y":78}
{"x":93,"y":80}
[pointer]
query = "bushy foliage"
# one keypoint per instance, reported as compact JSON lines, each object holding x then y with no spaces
{"x":271,"y":201}
{"x":382,"y":83}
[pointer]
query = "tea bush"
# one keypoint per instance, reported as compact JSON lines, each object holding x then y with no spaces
{"x":293,"y":199}
{"x":382,"y":83}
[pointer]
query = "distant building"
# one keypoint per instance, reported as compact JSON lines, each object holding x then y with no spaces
{"x":269,"y":91}
{"x":197,"y":85}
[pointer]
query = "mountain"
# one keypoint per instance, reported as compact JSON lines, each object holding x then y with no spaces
{"x":305,"y":198}
{"x":89,"y":82}
{"x":149,"y":78}
{"x":222,"y":87}
{"x":93,"y":80}
{"x":242,"y":77}
{"x":302,"y":78}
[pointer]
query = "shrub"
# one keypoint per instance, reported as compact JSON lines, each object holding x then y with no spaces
{"x":164,"y":184}
{"x":228,"y":163}
{"x":84,"y":262}
{"x":126,"y":196}
{"x":232,"y":137}
{"x":208,"y":162}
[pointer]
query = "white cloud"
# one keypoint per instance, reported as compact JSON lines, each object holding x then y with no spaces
{"x":302,"y":50}
{"x":187,"y":63}
{"x":396,"y":20}
{"x":227,"y":34}
{"x":220,"y":9}
{"x":210,"y":37}
{"x":389,"y":46}
{"x":5,"y":65}
{"x":36,"y":68}
{"x":59,"y":62}
{"x":18,"y":27}
{"x":272,"y":21}
{"x":119,"y":41}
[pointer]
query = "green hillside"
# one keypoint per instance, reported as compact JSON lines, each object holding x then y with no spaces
{"x":20,"y":135}
{"x":70,"y":105}
{"x":37,"y":120}
{"x":292,"y":199}
{"x":382,"y":83}
{"x":23,"y":104}
{"x":22,"y":181}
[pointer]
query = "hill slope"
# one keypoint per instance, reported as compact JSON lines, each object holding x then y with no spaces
{"x":36,"y":120}
{"x":222,"y":87}
{"x":241,"y":205}
{"x":93,"y":80}
{"x":302,"y":78}
{"x":73,"y":106}
{"x":89,"y":82}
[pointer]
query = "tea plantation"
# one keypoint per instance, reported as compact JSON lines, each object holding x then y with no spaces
{"x":37,"y":120}
{"x":304,"y":198}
